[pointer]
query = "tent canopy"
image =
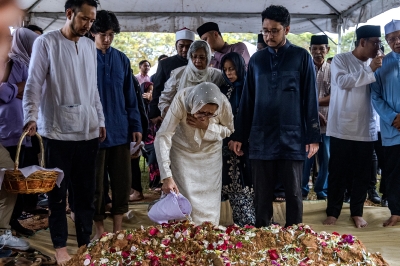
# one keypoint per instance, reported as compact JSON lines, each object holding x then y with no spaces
{"x":242,"y":16}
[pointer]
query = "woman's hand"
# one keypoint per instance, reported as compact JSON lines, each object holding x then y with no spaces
{"x":201,"y":123}
{"x":148,"y":96}
{"x":169,"y":186}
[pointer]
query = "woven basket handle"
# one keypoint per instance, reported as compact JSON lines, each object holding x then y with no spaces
{"x":16,"y":162}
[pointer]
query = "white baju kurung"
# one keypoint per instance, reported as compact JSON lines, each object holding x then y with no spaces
{"x":193,"y":157}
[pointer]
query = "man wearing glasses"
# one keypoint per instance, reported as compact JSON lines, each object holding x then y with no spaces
{"x":278,"y":117}
{"x":386,"y":100}
{"x":351,"y":124}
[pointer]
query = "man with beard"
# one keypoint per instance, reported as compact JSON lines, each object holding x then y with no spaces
{"x":184,"y":39}
{"x":68,"y":113}
{"x":278,"y":116}
{"x":351,"y":124}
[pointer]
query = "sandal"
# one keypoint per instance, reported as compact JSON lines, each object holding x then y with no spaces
{"x":37,"y":257}
{"x":25,"y":215}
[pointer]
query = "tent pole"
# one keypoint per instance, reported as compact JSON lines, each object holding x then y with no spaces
{"x":339,"y":30}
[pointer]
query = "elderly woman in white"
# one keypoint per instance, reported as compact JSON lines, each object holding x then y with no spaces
{"x":196,"y":72}
{"x":189,"y":148}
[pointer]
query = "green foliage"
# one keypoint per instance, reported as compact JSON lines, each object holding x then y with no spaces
{"x":148,"y":45}
{"x":144,"y":45}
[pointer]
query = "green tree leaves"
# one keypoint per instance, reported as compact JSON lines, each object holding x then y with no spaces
{"x":148,"y":45}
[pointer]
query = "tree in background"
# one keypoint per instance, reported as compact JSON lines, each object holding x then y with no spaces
{"x":148,"y":45}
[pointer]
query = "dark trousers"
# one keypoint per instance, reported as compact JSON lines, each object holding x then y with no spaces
{"x":392,"y":169}
{"x":265,"y":176}
{"x":77,"y":160}
{"x":380,"y":153}
{"x":350,"y":163}
{"x":136,"y":175}
{"x":117,"y":162}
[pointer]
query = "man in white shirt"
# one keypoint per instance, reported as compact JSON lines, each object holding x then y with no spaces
{"x":68,"y":114}
{"x":351,"y":124}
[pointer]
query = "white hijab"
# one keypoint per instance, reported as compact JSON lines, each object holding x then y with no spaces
{"x":202,"y":94}
{"x":198,"y":96}
{"x":192,"y":75}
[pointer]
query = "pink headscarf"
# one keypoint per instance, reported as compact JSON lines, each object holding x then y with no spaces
{"x":22,"y":43}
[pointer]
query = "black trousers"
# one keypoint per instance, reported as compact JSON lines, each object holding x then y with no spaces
{"x":77,"y":160}
{"x":136,"y":175}
{"x":380,"y":153}
{"x":392,"y":170}
{"x":265,"y":176}
{"x":350,"y":163}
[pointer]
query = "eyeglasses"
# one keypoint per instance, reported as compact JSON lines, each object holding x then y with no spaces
{"x":376,"y":43}
{"x":393,"y":39}
{"x":200,"y":58}
{"x":104,"y":35}
{"x":272,"y":32}
{"x":204,"y":114}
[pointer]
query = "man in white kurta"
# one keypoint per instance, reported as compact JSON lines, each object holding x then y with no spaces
{"x":61,"y":98}
{"x":191,"y":157}
{"x":351,"y":124}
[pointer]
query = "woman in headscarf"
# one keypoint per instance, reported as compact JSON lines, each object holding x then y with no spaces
{"x":150,"y":155}
{"x":11,"y":114}
{"x":196,"y":72}
{"x":189,"y":148}
{"x":236,"y":173}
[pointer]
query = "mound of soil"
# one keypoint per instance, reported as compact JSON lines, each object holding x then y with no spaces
{"x":183,"y":243}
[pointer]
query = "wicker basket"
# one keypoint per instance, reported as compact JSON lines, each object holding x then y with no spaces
{"x":41,"y":181}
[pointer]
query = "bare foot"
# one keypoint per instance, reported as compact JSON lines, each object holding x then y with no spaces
{"x":330,"y":220}
{"x":136,"y":196}
{"x":108,"y":207}
{"x":359,"y":222}
{"x":392,"y":221}
{"x":99,"y":230}
{"x":62,"y":256}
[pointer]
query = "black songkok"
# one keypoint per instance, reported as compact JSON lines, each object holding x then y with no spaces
{"x":368,"y":31}
{"x":206,"y":27}
{"x":319,"y":39}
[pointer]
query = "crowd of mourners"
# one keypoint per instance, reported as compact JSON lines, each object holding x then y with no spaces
{"x":216,"y":124}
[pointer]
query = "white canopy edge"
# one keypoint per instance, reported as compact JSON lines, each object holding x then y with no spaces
{"x":320,"y":15}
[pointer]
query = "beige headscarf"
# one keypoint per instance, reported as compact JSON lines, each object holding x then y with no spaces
{"x":197,"y":97}
{"x":202,"y":94}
